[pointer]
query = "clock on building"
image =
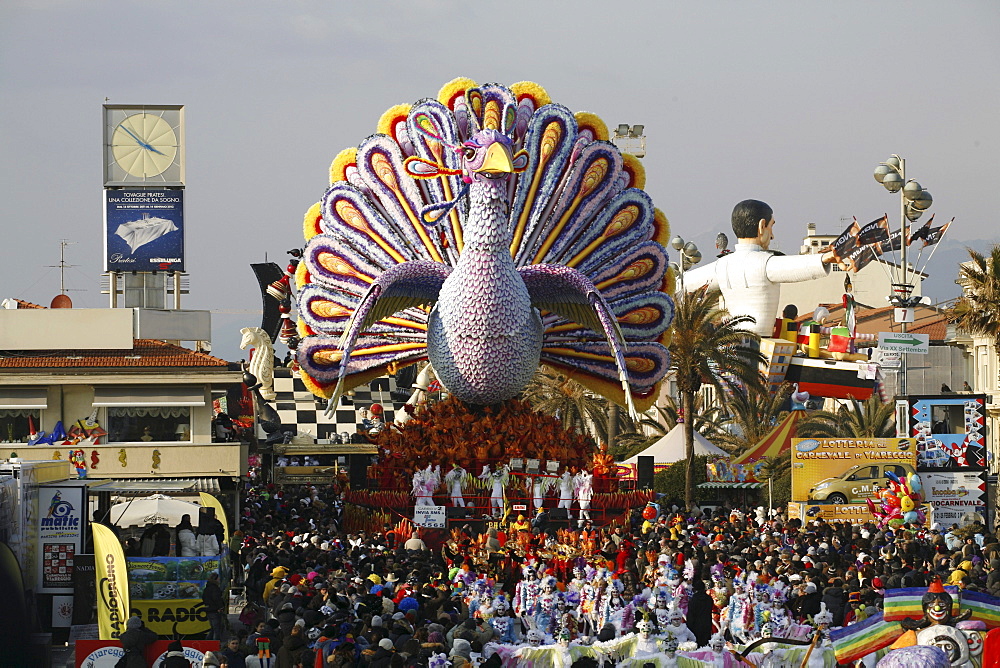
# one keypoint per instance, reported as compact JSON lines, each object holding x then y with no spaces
{"x":143,"y":145}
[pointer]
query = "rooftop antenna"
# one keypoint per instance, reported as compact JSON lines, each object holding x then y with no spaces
{"x":62,"y":266}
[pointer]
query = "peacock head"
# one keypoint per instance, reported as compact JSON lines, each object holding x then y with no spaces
{"x":487,"y":156}
{"x":487,"y":160}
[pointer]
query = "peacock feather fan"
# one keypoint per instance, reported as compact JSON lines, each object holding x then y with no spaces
{"x":488,"y":230}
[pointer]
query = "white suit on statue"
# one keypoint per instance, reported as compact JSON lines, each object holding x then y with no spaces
{"x":750,"y":279}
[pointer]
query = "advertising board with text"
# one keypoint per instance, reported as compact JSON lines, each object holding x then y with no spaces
{"x":60,"y":536}
{"x":950,"y":430}
{"x":955,"y":494}
{"x":853,"y":513}
{"x":430,"y":517}
{"x":847,"y":470}
{"x":144,"y":229}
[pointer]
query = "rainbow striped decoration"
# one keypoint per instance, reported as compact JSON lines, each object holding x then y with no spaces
{"x":903,"y":603}
{"x":853,"y":642}
{"x":985,"y":608}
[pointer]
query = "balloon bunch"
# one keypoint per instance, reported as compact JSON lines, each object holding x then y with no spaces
{"x":899,"y":503}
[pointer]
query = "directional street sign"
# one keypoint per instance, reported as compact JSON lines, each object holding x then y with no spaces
{"x":904,"y":343}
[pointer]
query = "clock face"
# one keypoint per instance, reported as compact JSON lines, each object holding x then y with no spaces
{"x":144,"y":145}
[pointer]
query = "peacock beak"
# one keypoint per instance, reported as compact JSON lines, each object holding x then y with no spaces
{"x":497,"y":161}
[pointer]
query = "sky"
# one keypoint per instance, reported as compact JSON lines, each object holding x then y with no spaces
{"x":794,"y":103}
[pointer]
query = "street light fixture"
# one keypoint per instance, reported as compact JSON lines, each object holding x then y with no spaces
{"x":689,"y":256}
{"x":913,"y":201}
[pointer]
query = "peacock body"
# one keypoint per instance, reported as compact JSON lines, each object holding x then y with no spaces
{"x":488,"y":230}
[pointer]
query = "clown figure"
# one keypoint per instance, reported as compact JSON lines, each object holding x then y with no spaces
{"x":546,"y":608}
{"x":677,"y":629}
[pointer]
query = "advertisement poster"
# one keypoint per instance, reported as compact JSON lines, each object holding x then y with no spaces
{"x":60,"y":536}
{"x":57,"y":565}
{"x":174,"y":617}
{"x":144,"y":229}
{"x":847,"y":470}
{"x":950,"y":431}
{"x":854,"y":513}
{"x":105,"y":653}
{"x":169,"y":577}
{"x":955,"y":494}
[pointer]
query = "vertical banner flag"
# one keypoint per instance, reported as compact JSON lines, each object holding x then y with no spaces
{"x":112,"y":583}
{"x":209,"y":501}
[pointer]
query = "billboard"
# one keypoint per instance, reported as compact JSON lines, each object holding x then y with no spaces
{"x":955,"y":494}
{"x":852,"y":513}
{"x":950,"y":430}
{"x":60,"y":536}
{"x":143,"y":229}
{"x":847,"y":470}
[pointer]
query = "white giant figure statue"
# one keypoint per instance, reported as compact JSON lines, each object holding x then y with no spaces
{"x":751,"y":276}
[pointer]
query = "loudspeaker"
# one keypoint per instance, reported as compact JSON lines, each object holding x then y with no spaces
{"x":644,"y":473}
{"x":557,"y":514}
{"x":454,"y":512}
{"x":358,"y":472}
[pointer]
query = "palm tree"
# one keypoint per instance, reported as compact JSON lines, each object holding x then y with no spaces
{"x":977,"y":311}
{"x":579,"y":409}
{"x":751,"y":413}
{"x":708,"y":346}
{"x":859,"y":419}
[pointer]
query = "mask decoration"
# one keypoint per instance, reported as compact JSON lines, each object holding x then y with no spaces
{"x":535,"y":637}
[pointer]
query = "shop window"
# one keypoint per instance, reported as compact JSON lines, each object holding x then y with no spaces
{"x":16,"y":425}
{"x":153,"y":424}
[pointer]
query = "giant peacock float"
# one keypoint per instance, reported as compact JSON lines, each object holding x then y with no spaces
{"x":486,"y":231}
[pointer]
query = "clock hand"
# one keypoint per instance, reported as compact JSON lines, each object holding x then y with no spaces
{"x":141,"y":143}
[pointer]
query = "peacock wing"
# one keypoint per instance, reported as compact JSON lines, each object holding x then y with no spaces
{"x":572,"y":295}
{"x":328,"y":311}
{"x":406,"y":285}
{"x":320,"y":358}
{"x":640,"y":317}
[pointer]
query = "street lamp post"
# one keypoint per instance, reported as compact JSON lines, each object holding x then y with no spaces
{"x":913,"y":201}
{"x":689,"y":255}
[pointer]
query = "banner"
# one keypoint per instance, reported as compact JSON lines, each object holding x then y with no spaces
{"x":170,"y":577}
{"x":847,"y":470}
{"x":144,"y":229}
{"x":174,"y":617}
{"x":955,"y":494}
{"x":431,"y":517}
{"x":105,"y":653}
{"x":112,"y":583}
{"x":209,"y":501}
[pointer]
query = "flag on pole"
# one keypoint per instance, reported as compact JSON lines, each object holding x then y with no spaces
{"x":935,"y":234}
{"x":892,"y":244}
{"x":874,"y":232}
{"x":847,"y":240}
{"x":112,"y":583}
{"x":922,"y":232}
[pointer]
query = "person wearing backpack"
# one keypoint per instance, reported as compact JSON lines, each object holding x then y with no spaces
{"x":134,"y":641}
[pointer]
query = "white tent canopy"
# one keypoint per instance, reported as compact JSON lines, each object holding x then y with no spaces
{"x":155,"y":509}
{"x":670,"y":448}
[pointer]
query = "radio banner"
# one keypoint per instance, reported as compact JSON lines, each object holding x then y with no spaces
{"x":112,"y":583}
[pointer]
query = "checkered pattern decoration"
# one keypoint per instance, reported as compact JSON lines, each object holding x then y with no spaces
{"x":304,"y":411}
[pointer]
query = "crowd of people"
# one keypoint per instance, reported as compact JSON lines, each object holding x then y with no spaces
{"x":694,"y":583}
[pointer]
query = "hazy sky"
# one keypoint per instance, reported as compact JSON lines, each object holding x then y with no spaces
{"x":791,"y":102}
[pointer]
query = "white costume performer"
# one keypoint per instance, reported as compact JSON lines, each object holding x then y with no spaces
{"x":566,"y":493}
{"x":583,"y":484}
{"x":425,"y":481}
{"x":539,"y":488}
{"x":455,"y":480}
{"x":498,"y":480}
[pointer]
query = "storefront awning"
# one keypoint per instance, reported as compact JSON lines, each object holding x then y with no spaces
{"x":144,"y":486}
{"x":23,"y":398}
{"x":123,"y":396}
{"x":731,"y":485}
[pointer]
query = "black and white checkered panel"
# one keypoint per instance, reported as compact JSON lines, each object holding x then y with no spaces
{"x":300,"y":409}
